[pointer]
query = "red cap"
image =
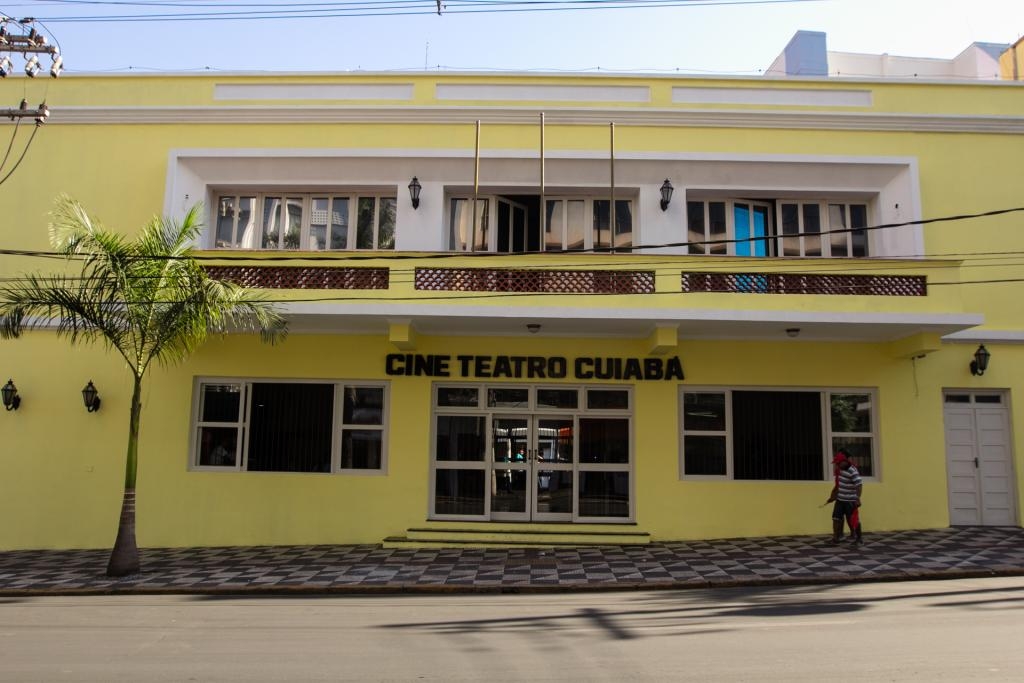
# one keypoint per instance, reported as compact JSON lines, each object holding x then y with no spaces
{"x":839,"y":457}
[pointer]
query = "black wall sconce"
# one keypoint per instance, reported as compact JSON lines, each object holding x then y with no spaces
{"x":91,"y":397}
{"x":414,"y":192}
{"x":666,"y":194}
{"x":980,"y":363}
{"x":10,"y":395}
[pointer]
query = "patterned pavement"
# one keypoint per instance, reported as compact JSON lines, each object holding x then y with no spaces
{"x":898,"y":555}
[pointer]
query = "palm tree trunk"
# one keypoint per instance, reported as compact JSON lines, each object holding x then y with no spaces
{"x":124,"y":558}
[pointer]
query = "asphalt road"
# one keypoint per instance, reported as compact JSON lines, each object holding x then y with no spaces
{"x":966,"y":630}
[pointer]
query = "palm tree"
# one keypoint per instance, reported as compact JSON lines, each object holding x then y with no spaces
{"x":148,"y":299}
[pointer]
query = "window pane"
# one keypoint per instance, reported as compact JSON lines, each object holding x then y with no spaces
{"x":508,"y":398}
{"x":607,"y":399}
{"x":457,"y":396}
{"x":386,"y":232}
{"x":218,"y":447}
{"x":290,"y":427}
{"x":554,"y":440}
{"x":271,"y":222}
{"x":365,"y":222}
{"x":812,"y":230}
{"x":704,"y":412}
{"x":339,"y":223}
{"x":574,"y":227}
{"x":988,"y":398}
{"x":459,"y":492}
{"x":777,"y":435}
{"x":319,"y":215}
{"x":460,"y":437}
{"x":604,"y":441}
{"x":790,"y":228}
{"x":623,"y":223}
{"x":837,"y":221}
{"x":361,"y":449}
{"x":363,"y":406}
{"x":509,"y":439}
{"x":604,"y":494}
{"x":958,"y":398}
{"x":508,"y":493}
{"x":554,"y":491}
{"x":704,"y":455}
{"x":859,"y":219}
{"x":558,"y":398}
{"x":246,"y":230}
{"x":220,"y":403}
{"x":695,"y":223}
{"x":602,"y":236}
{"x":225,"y":222}
{"x":294,"y":211}
{"x":859,"y":448}
{"x":553,"y":225}
{"x":851,"y":412}
{"x":718,"y":227}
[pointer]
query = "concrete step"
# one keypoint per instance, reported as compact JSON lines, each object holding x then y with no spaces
{"x":549,"y":536}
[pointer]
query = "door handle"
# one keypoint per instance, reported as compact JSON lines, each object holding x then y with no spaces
{"x":975,"y":463}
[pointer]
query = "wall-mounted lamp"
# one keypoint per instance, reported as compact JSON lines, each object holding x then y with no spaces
{"x":666,"y":194}
{"x":91,"y":397}
{"x":533,"y":328}
{"x":10,"y":395}
{"x":980,"y":363}
{"x":792,"y":331}
{"x":414,"y":192}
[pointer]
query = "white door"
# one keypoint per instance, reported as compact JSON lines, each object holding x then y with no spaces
{"x":979,"y":464}
{"x":531,"y":468}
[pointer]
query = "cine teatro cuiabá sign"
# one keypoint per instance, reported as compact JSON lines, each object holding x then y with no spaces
{"x":532,"y":367}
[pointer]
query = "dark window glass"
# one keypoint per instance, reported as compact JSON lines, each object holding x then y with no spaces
{"x":790,"y":229}
{"x":958,"y":398}
{"x":607,"y":399}
{"x":386,"y":231}
{"x":558,"y":398}
{"x":365,"y":222}
{"x":458,"y":396}
{"x":226,"y":222}
{"x":508,"y":493}
{"x":554,"y":491}
{"x":604,"y":440}
{"x":290,"y":427}
{"x":859,"y":219}
{"x":716,"y":220}
{"x":704,"y":412}
{"x":851,"y":412}
{"x":218,"y":447}
{"x":459,"y":492}
{"x":988,"y":398}
{"x":695,"y":220}
{"x":704,"y":455}
{"x":604,"y":494}
{"x":361,"y":449}
{"x":859,"y":448}
{"x":221,"y":403}
{"x":461,"y":437}
{"x":363,"y":406}
{"x":777,"y":435}
{"x":812,"y":230}
{"x":508,"y":398}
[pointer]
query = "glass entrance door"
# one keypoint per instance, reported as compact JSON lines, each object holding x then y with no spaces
{"x":532,"y":468}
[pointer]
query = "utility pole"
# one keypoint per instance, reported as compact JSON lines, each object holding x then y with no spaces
{"x":30,"y":43}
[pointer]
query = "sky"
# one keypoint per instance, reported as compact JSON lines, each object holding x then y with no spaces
{"x":727,"y":38}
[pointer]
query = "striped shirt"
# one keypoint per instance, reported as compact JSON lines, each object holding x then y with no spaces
{"x":849,"y":480}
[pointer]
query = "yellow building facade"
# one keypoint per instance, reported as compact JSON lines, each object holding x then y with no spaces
{"x":480,"y":353}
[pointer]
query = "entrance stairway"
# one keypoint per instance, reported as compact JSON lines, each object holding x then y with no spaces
{"x":497,"y":535}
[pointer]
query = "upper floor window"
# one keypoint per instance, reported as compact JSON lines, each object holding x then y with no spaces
{"x":312,"y":222}
{"x":512,"y":223}
{"x":816,"y":228}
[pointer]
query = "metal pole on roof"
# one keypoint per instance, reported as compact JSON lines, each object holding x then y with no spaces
{"x":476,"y":183}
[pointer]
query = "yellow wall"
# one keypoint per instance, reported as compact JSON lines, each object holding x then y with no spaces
{"x":63,"y":468}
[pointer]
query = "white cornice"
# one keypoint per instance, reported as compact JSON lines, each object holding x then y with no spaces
{"x":704,"y":118}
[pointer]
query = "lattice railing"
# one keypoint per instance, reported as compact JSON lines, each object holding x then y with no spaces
{"x":541,"y":281}
{"x":794,"y":283}
{"x":302,"y":277}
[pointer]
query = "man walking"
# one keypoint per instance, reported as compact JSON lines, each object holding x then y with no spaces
{"x":846,"y":494}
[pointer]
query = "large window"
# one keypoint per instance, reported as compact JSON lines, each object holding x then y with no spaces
{"x":777,"y":227}
{"x":775,"y":434}
{"x":313,"y":222}
{"x":284,"y":426}
{"x":513,"y":223}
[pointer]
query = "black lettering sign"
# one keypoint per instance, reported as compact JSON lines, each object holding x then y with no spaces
{"x":534,"y":367}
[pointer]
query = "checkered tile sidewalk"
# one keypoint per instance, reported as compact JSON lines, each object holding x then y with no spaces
{"x":939,"y":553}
